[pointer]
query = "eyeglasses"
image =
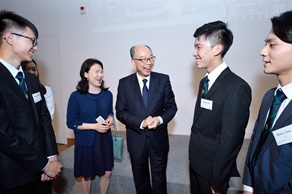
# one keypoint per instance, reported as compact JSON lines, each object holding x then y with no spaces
{"x":34,"y":40}
{"x":144,"y":60}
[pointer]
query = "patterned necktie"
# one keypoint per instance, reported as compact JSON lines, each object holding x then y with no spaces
{"x":20,"y":77}
{"x":205,"y":87}
{"x":145,"y":92}
{"x":278,"y":99}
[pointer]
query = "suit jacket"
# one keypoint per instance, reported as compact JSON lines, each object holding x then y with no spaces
{"x":270,"y":169}
{"x":26,"y":134}
{"x":217,"y":135}
{"x":130,"y":110}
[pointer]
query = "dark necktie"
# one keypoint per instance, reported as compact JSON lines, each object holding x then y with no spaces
{"x":205,"y":86}
{"x":278,"y":99}
{"x":20,"y":77}
{"x":145,"y":92}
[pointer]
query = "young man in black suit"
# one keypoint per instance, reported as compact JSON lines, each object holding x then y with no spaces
{"x":221,"y":113}
{"x":28,"y":150}
{"x":268,"y":167}
{"x":146,"y":122}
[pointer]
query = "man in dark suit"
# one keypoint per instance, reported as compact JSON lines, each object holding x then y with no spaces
{"x":146,"y":123}
{"x":268,"y":167}
{"x":221,"y":113}
{"x":28,"y":150}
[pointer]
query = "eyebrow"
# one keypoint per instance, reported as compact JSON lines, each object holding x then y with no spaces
{"x":269,"y":40}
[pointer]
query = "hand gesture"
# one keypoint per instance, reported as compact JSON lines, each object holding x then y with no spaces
{"x":109,"y":121}
{"x":102,"y":127}
{"x":151,"y":122}
{"x":52,"y":169}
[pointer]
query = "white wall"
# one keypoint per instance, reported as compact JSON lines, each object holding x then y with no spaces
{"x":110,"y":28}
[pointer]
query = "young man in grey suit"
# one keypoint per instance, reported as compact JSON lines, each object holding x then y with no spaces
{"x":28,"y":150}
{"x":146,"y":122}
{"x":268,"y":167}
{"x":221,"y":113}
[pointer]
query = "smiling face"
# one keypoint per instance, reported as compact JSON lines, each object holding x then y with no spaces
{"x":94,"y":76}
{"x":143,"y":69}
{"x":21,"y":47}
{"x":206,"y":55}
{"x":277,"y":57}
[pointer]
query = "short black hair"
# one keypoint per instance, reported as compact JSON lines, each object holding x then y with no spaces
{"x":11,"y":21}
{"x":282,"y":26}
{"x":217,"y":33}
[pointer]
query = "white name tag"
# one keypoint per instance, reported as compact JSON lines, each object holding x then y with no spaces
{"x":37,"y":97}
{"x":283,"y":135}
{"x":206,"y":104}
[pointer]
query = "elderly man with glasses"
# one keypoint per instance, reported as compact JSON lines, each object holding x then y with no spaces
{"x":145,"y":105}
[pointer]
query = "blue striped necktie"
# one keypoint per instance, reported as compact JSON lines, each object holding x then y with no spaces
{"x":20,"y":77}
{"x":205,"y":87}
{"x":145,"y":92}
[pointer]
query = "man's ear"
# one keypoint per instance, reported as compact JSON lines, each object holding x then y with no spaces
{"x":8,"y":38}
{"x":133,"y":63}
{"x":218,"y":48}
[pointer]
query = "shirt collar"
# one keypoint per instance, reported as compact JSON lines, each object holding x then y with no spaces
{"x":287,"y":89}
{"x":216,"y":72}
{"x":140,"y":78}
{"x":11,"y":68}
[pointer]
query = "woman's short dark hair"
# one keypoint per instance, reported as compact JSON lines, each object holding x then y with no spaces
{"x":82,"y":86}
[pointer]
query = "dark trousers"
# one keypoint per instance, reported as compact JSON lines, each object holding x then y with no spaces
{"x":201,"y":185}
{"x":36,"y":187}
{"x":140,"y":168}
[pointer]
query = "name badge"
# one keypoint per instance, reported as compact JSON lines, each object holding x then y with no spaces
{"x":206,"y":104}
{"x":283,"y":135}
{"x":100,"y":119}
{"x":36,"y":97}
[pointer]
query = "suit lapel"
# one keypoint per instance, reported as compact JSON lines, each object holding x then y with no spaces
{"x":281,"y":122}
{"x":14,"y":87}
{"x":262,"y":120}
{"x":152,"y":89}
{"x":11,"y":83}
{"x":218,"y":82}
{"x":212,"y":90}
{"x":286,"y":114}
{"x":30,"y":83}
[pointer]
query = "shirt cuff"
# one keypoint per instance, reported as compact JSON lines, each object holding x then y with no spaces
{"x":48,"y":161}
{"x":160,"y":119}
{"x":247,"y":188}
{"x":141,"y":125}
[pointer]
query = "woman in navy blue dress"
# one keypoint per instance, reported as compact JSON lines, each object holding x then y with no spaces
{"x":93,"y":140}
